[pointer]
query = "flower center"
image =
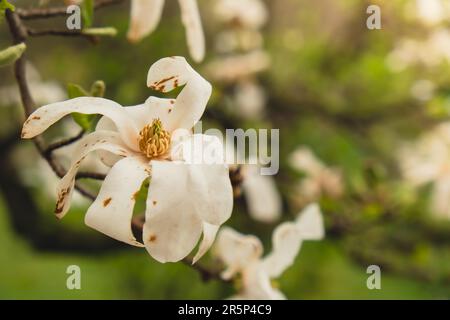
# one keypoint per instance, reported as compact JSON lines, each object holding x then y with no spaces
{"x":154,"y":141}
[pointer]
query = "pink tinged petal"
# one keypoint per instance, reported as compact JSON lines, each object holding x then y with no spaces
{"x":169,"y":73}
{"x":173,"y":225}
{"x":310,"y":223}
{"x":104,"y":140}
{"x":112,"y":211}
{"x":47,"y":115}
{"x":236,"y":251}
{"x":144,"y":18}
{"x":190,"y":16}
{"x":262,"y":196}
{"x":209,"y":235}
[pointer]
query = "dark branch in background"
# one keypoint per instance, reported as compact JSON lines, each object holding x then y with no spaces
{"x":64,"y":143}
{"x":61,"y":33}
{"x":44,"y":13}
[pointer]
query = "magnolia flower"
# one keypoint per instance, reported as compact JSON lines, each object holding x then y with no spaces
{"x":319,"y":178}
{"x":428,"y":161}
{"x":146,"y":14}
{"x":242,"y":254}
{"x":186,"y":197}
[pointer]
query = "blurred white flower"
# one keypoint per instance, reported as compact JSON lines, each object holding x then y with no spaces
{"x":238,"y":66}
{"x":319,"y":180}
{"x":242,"y":254}
{"x":185,"y":198}
{"x":429,"y":52}
{"x":261,"y":193}
{"x":250,"y":99}
{"x":423,"y":90}
{"x":43,"y":92}
{"x":244,"y":40}
{"x":433,"y":12}
{"x":250,"y":14}
{"x":146,"y":14}
{"x":428,"y":161}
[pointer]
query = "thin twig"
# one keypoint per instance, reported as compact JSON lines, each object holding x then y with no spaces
{"x":43,"y":13}
{"x":61,"y":33}
{"x":90,"y":175}
{"x":59,"y":144}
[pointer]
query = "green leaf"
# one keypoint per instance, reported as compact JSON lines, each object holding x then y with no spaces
{"x":85,"y":121}
{"x":101,"y":32}
{"x":11,"y":54}
{"x":75,"y":91}
{"x":4,"y":4}
{"x":87,"y":12}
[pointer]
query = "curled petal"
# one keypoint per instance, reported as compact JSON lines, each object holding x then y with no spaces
{"x":288,"y":237}
{"x":144,"y":18}
{"x":236,"y":251}
{"x":286,"y":241}
{"x":105,"y":140}
{"x":112,"y":211}
{"x":209,"y":235}
{"x":261,"y":193}
{"x":47,"y":115}
{"x":194,"y":31}
{"x":169,"y":73}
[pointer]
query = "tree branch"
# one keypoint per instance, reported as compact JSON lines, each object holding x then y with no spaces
{"x":44,"y":13}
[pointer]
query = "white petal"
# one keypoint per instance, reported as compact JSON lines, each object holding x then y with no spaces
{"x":199,"y":149}
{"x":236,"y":251}
{"x":47,"y":115}
{"x":194,"y":31}
{"x":105,"y":140}
{"x":288,"y":237}
{"x":286,"y":241}
{"x":112,"y":211}
{"x":173,"y":225}
{"x":169,"y":73}
{"x":310,"y":223}
{"x":209,"y":235}
{"x":144,"y":18}
{"x":262,"y":196}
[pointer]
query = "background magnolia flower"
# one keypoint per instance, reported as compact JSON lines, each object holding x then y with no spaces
{"x":260,"y":191}
{"x":43,"y":91}
{"x":428,"y":161}
{"x":146,"y":14}
{"x":243,"y":254}
{"x":432,"y":12}
{"x":250,"y":14}
{"x":432,"y":51}
{"x":151,"y":140}
{"x":319,"y":180}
